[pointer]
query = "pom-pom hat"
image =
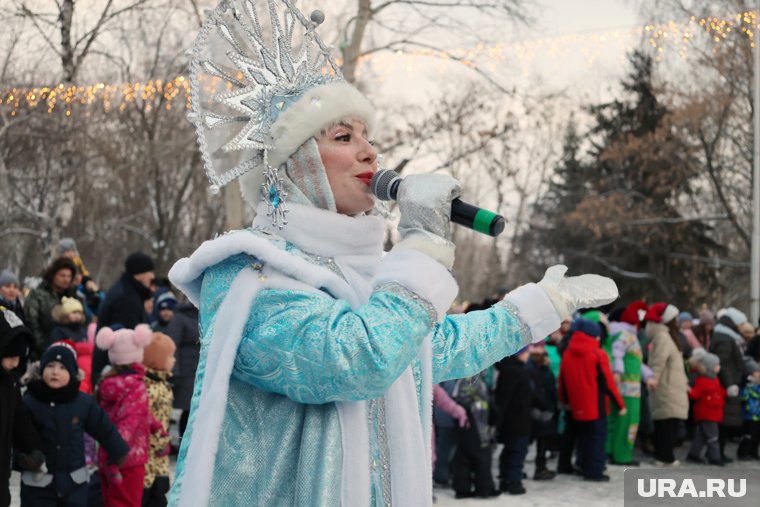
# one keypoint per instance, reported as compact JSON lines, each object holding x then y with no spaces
{"x":124,"y":346}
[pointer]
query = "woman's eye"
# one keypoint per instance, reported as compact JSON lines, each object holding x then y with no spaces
{"x":343,"y":137}
{"x":372,"y":142}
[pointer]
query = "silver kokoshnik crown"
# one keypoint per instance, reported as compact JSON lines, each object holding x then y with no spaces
{"x":250,"y":62}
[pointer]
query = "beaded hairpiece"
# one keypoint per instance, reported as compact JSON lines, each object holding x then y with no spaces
{"x":250,"y":62}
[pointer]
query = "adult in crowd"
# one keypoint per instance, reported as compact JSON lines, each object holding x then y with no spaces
{"x":183,"y":329}
{"x":124,"y":302}
{"x":669,"y":386}
{"x":727,"y":344}
{"x":87,"y":288}
{"x":56,"y":283}
{"x":10,"y":293}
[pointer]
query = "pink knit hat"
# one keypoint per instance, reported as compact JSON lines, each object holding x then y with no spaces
{"x":124,"y":346}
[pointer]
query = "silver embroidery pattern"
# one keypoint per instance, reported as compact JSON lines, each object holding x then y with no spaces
{"x":380,"y":465}
{"x":250,"y":61}
{"x":512,"y":309}
{"x":401,"y":291}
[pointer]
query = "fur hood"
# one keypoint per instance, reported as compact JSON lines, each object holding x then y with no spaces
{"x":33,"y":372}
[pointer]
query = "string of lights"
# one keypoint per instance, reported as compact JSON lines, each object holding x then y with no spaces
{"x":157,"y":93}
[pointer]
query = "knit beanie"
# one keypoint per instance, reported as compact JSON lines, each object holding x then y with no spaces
{"x":684,"y":316}
{"x":124,"y":346}
{"x":166,"y":301}
{"x":62,"y":351}
{"x":7,"y":277}
{"x":71,"y":305}
{"x":709,"y":361}
{"x":737,"y":317}
{"x":661,"y":313}
{"x":158,"y":352}
{"x":706,"y":317}
{"x":138,"y":262}
{"x":67,"y":245}
{"x":587,"y":327}
{"x":750,"y":366}
{"x":14,"y":334}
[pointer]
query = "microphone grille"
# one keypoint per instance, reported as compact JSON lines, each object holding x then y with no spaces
{"x":381,"y":184}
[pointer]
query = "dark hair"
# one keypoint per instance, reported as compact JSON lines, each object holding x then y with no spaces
{"x":57,"y":265}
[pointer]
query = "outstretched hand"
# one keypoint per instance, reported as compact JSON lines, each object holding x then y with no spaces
{"x":568,"y":294}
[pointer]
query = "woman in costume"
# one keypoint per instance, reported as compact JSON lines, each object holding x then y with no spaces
{"x":318,"y":352}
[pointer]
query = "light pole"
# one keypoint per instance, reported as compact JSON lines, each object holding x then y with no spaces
{"x":755,"y":270}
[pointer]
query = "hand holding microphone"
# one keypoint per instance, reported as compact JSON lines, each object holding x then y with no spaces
{"x":389,"y":186}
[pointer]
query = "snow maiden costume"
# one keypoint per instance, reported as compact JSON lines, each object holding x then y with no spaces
{"x":318,"y":353}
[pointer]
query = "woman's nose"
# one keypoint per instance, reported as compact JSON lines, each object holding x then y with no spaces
{"x":368,"y":153}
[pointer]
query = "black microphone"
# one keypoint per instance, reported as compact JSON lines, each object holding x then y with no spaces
{"x":385,"y":186}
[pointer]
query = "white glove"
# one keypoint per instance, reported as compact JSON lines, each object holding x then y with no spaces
{"x":571,"y":293}
{"x":425,"y":204}
{"x":732,"y":391}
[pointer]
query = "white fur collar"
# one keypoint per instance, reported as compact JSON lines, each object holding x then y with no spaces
{"x":327,"y":233}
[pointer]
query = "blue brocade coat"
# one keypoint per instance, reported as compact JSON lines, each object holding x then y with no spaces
{"x":305,"y":354}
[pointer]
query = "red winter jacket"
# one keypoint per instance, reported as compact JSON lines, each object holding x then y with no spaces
{"x":709,"y":399}
{"x":125,"y":399}
{"x":585,"y":378}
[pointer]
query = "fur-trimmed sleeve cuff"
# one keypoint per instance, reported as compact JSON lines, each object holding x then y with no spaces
{"x":420,"y":274}
{"x":535,"y":309}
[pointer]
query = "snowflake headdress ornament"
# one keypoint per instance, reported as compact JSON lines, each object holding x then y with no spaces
{"x":262,"y":83}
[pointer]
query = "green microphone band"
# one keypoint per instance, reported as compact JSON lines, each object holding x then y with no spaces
{"x":482,"y":221}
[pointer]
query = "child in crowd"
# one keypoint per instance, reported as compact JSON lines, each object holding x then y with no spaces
{"x":62,"y":414}
{"x":159,"y":360}
{"x":70,"y":321}
{"x":585,"y":381}
{"x":545,"y":407}
{"x":16,"y":431}
{"x":750,"y":397}
{"x":471,"y":465}
{"x":709,"y":400}
{"x":71,"y":325}
{"x":514,"y":401}
{"x":122,"y":394}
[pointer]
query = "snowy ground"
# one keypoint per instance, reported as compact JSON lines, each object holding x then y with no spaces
{"x":564,"y":490}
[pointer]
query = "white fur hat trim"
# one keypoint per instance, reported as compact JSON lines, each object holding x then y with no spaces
{"x":317,"y":108}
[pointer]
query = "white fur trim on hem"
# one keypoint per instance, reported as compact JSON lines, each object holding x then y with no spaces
{"x":535,"y":309}
{"x":228,"y":331}
{"x":420,"y":274}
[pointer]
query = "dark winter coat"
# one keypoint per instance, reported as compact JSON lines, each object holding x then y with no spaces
{"x":39,"y":314}
{"x":16,"y":429}
{"x":183,"y":329}
{"x":124,"y":304}
{"x":61,"y":419}
{"x":545,"y":404}
{"x":723,"y":345}
{"x":513,"y":399}
{"x":585,"y":379}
